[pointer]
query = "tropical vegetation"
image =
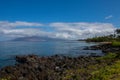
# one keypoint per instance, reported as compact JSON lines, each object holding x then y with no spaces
{"x":113,"y":37}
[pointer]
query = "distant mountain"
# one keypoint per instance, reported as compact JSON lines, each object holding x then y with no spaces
{"x":36,"y":38}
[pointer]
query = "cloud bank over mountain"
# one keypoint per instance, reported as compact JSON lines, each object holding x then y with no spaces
{"x":61,"y":30}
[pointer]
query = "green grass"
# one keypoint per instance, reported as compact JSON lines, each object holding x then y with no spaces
{"x":116,"y":43}
{"x":108,"y":56}
{"x":108,"y":72}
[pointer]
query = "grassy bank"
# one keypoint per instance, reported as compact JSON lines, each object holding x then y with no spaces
{"x":107,"y":68}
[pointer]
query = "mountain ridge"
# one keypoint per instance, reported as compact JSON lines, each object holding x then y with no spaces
{"x":36,"y":39}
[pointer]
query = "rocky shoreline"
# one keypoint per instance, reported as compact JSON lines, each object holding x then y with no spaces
{"x":33,"y":67}
{"x":106,"y":48}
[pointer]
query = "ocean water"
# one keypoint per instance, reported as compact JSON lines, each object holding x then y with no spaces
{"x":8,"y":50}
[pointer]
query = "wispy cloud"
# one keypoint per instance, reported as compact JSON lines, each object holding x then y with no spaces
{"x":109,"y":17}
{"x":25,"y":32}
{"x":60,"y":30}
{"x":7,"y":24}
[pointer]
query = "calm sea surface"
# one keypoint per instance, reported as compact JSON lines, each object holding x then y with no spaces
{"x":8,"y":50}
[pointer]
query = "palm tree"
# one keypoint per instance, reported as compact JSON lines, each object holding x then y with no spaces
{"x":118,"y":33}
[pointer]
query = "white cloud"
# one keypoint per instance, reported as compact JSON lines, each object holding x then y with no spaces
{"x":82,"y":29}
{"x":60,"y":30}
{"x":7,"y":24}
{"x":109,"y":17}
{"x":10,"y":29}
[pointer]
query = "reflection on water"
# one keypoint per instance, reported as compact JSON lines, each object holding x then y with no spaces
{"x":69,"y":48}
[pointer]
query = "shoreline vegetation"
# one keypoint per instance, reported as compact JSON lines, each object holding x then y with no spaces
{"x":33,"y":67}
{"x":110,"y":38}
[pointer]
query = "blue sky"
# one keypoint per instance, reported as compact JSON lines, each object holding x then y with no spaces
{"x":61,"y":12}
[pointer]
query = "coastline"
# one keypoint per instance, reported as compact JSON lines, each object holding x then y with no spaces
{"x":33,"y":67}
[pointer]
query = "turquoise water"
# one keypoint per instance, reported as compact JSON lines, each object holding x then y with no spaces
{"x":8,"y":50}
